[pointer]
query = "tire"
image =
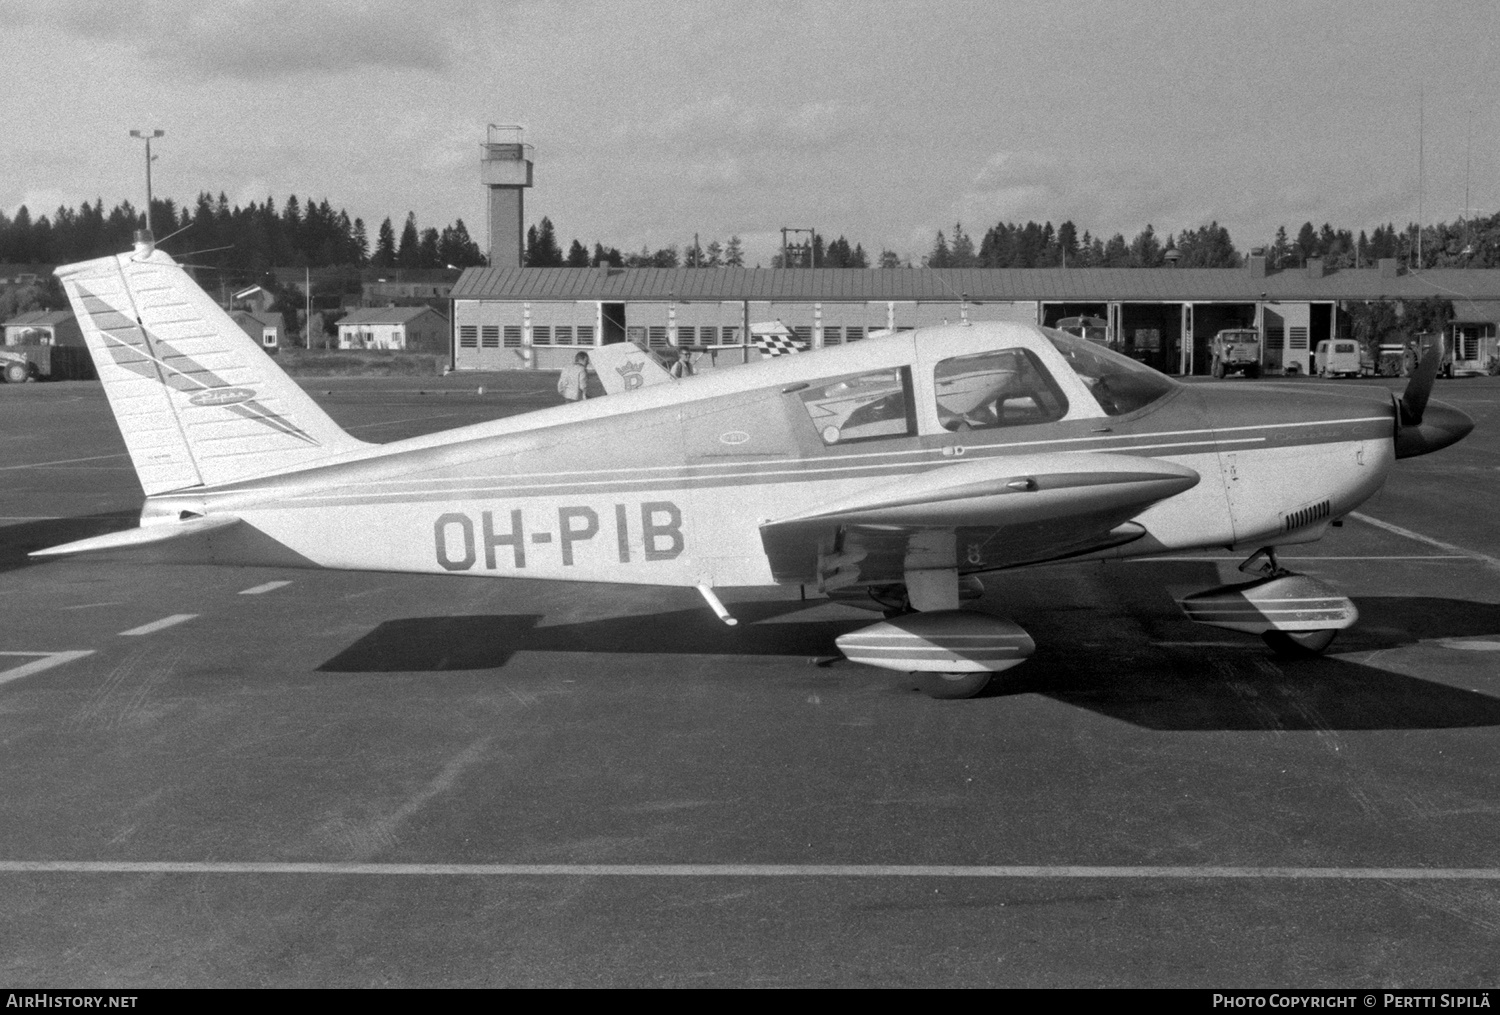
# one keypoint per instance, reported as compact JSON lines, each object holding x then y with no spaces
{"x":16,"y":373}
{"x":1252,"y":371}
{"x":952,"y":686}
{"x":1299,"y":644}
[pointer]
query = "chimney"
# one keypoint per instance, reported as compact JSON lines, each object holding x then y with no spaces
{"x":1389,"y":267}
{"x":1314,"y":267}
{"x":1257,"y":265}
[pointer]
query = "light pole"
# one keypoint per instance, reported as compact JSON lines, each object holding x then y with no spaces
{"x":148,"y":136}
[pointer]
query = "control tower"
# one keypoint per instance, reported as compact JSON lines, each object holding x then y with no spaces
{"x":505,"y":168}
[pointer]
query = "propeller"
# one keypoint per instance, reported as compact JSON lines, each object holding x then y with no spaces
{"x":1413,"y":401}
{"x":1422,"y":428}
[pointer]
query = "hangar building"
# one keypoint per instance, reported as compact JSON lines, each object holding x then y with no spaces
{"x":537,"y":318}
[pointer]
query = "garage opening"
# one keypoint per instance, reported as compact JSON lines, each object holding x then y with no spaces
{"x":614,"y":323}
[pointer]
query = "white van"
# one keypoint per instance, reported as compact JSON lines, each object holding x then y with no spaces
{"x":1338,"y":358}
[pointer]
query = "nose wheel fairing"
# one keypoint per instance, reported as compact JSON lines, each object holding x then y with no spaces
{"x":1294,"y":614}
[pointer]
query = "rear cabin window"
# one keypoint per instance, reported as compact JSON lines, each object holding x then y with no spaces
{"x":861,"y":407}
{"x":1118,"y":383}
{"x":1004,"y":387}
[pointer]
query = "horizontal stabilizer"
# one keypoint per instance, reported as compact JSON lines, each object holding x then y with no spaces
{"x":143,"y":536}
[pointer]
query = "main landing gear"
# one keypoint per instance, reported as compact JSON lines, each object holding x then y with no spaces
{"x":952,"y":652}
{"x":1294,"y":614}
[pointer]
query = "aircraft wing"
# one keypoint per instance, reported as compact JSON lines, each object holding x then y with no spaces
{"x":975,"y":515}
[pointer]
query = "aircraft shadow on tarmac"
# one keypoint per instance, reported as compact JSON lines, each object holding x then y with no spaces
{"x":1209,"y":689}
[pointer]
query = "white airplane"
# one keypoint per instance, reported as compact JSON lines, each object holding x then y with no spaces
{"x":751,"y":476}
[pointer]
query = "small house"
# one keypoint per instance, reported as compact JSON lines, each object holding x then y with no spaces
{"x":266,"y":327}
{"x":413,"y":329}
{"x":44,"y":327}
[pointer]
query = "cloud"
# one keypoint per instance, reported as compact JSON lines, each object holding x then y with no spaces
{"x":39,"y":202}
{"x":1105,"y":195}
{"x":726,"y":121}
{"x":243,"y":40}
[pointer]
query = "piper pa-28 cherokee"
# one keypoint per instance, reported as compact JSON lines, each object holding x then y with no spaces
{"x":889,"y":473}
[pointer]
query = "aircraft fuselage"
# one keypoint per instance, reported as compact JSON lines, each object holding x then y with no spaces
{"x":670,"y":485}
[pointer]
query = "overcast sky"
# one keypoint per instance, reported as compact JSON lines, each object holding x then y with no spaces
{"x":880,"y":121}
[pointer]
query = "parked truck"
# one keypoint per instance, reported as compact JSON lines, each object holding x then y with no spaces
{"x":27,"y":362}
{"x":1236,"y":350}
{"x":20,"y":363}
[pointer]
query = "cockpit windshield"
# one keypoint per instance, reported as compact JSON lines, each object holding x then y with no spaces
{"x":1118,"y":383}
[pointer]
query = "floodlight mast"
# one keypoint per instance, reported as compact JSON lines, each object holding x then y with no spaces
{"x":148,"y":136}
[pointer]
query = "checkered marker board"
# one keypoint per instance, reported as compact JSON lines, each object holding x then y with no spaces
{"x":777,"y":345}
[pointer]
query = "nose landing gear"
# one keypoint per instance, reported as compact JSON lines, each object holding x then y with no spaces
{"x":1293,"y":614}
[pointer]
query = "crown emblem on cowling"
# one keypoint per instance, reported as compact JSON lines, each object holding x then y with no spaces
{"x":632,"y":373}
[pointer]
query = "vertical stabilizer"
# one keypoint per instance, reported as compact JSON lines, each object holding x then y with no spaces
{"x":625,"y":366}
{"x":196,"y":399}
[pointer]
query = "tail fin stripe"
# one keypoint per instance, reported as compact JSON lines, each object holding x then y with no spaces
{"x":259,"y":413}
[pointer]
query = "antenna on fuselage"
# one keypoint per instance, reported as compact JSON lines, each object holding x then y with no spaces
{"x":963,"y":299}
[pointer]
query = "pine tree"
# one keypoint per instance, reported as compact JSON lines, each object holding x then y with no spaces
{"x":385,"y":246}
{"x":427,"y":249}
{"x":408,"y":254}
{"x":1281,"y":249}
{"x":940,"y":256}
{"x":734,"y":253}
{"x":1146,"y":249}
{"x":542,"y":250}
{"x":359,"y":246}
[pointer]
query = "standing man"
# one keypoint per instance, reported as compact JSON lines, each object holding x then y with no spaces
{"x":683,"y":367}
{"x":573,"y":382}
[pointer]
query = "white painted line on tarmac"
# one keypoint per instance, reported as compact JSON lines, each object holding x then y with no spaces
{"x":1282,"y":556}
{"x":1483,"y":558}
{"x":409,"y":419}
{"x":60,"y":461}
{"x":1470,"y":646}
{"x":1257,"y":644}
{"x":263,"y":589}
{"x":752,"y":870}
{"x":37,"y":665}
{"x":157,"y":625}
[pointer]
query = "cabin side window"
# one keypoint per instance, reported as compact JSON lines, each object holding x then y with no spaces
{"x":876,"y":405}
{"x":1003,"y":387}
